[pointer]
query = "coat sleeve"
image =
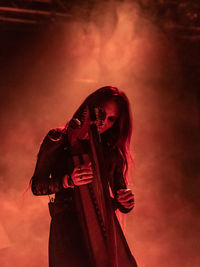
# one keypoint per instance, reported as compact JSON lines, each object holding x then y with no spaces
{"x":118,"y":180}
{"x":41,"y":182}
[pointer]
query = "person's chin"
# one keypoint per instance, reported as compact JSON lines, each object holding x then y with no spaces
{"x":100,"y":130}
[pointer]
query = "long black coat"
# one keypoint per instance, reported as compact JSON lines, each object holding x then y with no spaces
{"x":66,"y":242}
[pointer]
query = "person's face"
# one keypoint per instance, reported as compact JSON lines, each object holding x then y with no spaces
{"x":109,"y":114}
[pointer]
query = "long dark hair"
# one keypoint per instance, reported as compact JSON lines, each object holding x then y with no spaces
{"x":119,"y":135}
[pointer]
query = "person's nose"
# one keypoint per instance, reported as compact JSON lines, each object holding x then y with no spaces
{"x":105,"y":122}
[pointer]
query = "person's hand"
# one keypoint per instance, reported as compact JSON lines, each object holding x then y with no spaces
{"x":126,"y":198}
{"x":82,"y":174}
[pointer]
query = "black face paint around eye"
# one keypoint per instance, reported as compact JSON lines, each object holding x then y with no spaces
{"x":112,"y":118}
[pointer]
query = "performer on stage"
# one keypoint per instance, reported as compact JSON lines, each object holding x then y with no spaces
{"x":57,"y":172}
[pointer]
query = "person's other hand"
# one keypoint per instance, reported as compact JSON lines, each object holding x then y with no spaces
{"x":126,"y":198}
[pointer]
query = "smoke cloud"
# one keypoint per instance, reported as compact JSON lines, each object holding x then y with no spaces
{"x":46,"y":74}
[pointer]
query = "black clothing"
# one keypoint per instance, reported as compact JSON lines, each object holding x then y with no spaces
{"x":66,"y":243}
